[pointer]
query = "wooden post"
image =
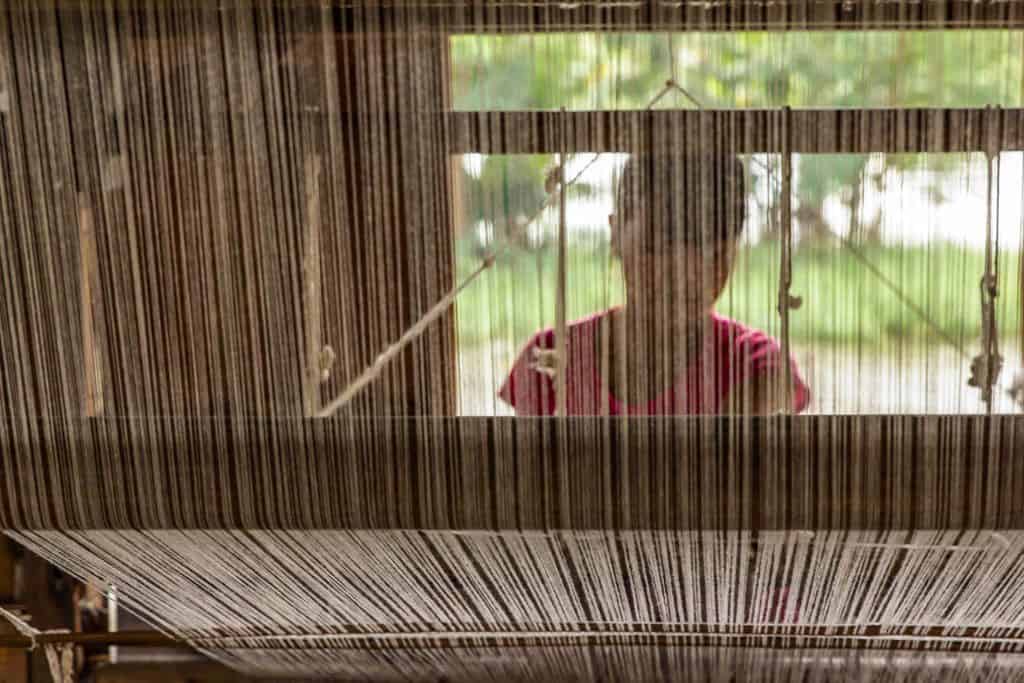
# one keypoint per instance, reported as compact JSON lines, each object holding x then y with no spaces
{"x":13,"y":661}
{"x":561,"y":333}
{"x":786,"y":269}
{"x":312,"y":287}
{"x":92,"y":399}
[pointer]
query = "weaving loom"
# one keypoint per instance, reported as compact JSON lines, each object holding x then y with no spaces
{"x":260,"y":309}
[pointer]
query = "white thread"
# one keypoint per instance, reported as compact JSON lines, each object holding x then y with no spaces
{"x":410,"y":335}
{"x":20,"y":625}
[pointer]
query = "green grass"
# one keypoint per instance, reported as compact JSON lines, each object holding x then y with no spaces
{"x":843,"y":303}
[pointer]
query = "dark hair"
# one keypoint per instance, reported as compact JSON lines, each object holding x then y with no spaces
{"x":683,"y":198}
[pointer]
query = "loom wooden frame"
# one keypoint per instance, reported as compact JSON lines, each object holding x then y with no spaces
{"x":765,"y":636}
{"x":422,"y":473}
{"x":748,"y":131}
{"x":452,"y":479}
{"x":516,"y":16}
{"x":988,"y":130}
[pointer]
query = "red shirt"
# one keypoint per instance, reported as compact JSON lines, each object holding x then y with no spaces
{"x":735,"y":354}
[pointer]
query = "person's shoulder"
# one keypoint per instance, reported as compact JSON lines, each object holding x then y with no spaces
{"x":759,"y":353}
{"x":735,"y":332}
{"x":577,"y":329}
{"x":528,"y":387}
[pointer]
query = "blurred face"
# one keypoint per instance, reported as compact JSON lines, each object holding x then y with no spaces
{"x":675,"y":280}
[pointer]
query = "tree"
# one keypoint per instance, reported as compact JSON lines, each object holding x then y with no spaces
{"x":746,"y":69}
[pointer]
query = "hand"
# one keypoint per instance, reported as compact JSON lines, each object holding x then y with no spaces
{"x":544,"y":361}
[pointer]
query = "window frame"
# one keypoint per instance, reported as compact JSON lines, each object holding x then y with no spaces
{"x":990,"y":130}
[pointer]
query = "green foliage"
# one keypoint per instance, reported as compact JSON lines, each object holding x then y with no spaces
{"x":507,"y":187}
{"x":741,"y":69}
{"x":508,"y":190}
{"x":843,"y":303}
{"x":730,"y":70}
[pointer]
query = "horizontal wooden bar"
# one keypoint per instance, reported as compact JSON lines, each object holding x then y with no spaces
{"x":518,"y":16}
{"x":743,"y":131}
{"x":767,"y":637}
{"x":796,"y":472}
{"x":620,"y":16}
{"x":97,"y":638}
{"x":901,"y":637}
{"x":510,"y":643}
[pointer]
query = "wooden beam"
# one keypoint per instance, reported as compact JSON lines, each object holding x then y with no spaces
{"x":538,"y":16}
{"x":544,"y":16}
{"x":89,"y":302}
{"x":769,"y":473}
{"x":13,"y":662}
{"x":975,"y":639}
{"x":312,"y":286}
{"x":176,"y":671}
{"x":105,"y":638}
{"x":819,"y":131}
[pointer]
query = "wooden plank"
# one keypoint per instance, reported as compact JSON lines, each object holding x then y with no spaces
{"x":174,"y":671}
{"x":342,"y":637}
{"x":786,"y":255}
{"x":312,"y":280}
{"x":92,"y":399}
{"x":816,"y":131}
{"x":13,"y":660}
{"x":542,"y":16}
{"x":519,"y":16}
